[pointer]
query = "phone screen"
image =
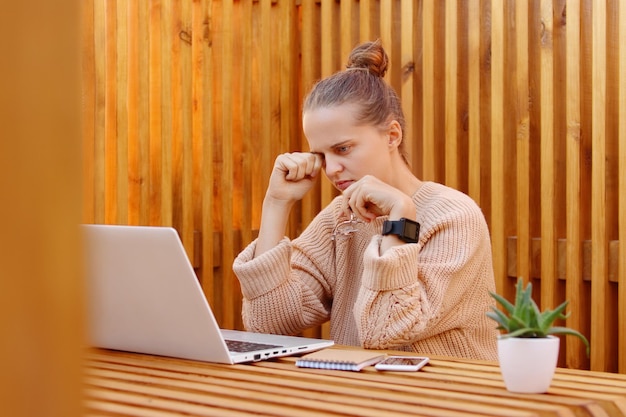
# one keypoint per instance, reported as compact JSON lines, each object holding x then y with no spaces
{"x":408,"y":361}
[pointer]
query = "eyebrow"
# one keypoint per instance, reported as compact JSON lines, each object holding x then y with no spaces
{"x":334,"y":145}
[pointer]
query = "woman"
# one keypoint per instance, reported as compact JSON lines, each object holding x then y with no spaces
{"x":394,"y":262}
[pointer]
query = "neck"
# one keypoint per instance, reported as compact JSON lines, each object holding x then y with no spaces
{"x":405,"y":181}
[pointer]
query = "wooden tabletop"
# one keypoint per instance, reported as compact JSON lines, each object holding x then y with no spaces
{"x":127,"y":384}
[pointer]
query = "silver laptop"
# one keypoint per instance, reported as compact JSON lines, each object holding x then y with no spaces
{"x":143,"y":296}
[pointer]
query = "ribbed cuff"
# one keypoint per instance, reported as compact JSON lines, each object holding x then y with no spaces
{"x":264,"y":273}
{"x":396,"y":268}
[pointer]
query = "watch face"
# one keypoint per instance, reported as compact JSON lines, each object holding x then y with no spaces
{"x":410,"y":229}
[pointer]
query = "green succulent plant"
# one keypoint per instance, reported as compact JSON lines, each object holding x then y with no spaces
{"x":524,"y":319}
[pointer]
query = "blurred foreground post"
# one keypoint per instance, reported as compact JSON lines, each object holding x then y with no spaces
{"x":41,"y":294}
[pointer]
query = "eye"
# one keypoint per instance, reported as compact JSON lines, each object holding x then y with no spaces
{"x":342,"y":149}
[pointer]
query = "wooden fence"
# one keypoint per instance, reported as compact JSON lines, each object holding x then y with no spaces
{"x":520,"y":104}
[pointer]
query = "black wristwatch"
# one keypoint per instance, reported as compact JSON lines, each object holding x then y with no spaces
{"x":407,"y":230}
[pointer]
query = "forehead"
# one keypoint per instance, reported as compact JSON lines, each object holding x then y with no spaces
{"x":325,"y":126}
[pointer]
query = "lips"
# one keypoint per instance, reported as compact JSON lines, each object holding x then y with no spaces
{"x":342,"y":185}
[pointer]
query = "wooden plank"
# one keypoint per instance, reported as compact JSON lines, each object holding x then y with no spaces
{"x":600,"y":347}
{"x":208,"y":227}
{"x":522,"y":141}
{"x":186,"y":199}
{"x":110,"y":117}
{"x":143,"y":112}
{"x":100,"y":112}
{"x":451,"y":100}
{"x":574,"y":354}
{"x":446,"y":387}
{"x":267,"y":158}
{"x":386,"y":25}
{"x":474,"y":110}
{"x":408,"y":62}
{"x":227,"y":287}
{"x":366,"y":17}
{"x":132,"y":106}
{"x":497,"y":144}
{"x":169,"y":37}
{"x":248,"y":131}
{"x":428,"y":83}
{"x":155,"y":152}
{"x":328,"y":65}
{"x":89,"y":130}
{"x":309,"y":74}
{"x":198,"y":113}
{"x":121,"y":133}
{"x":621,"y":305}
{"x":548,"y":172}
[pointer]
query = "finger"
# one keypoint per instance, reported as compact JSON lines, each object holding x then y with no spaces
{"x":293,"y":165}
{"x":318,"y":162}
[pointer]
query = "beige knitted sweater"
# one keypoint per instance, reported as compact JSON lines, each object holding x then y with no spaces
{"x":430,"y":297}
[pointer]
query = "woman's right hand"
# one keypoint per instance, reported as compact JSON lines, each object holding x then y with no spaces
{"x":293,"y":175}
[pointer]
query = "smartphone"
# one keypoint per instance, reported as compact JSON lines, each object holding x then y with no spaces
{"x":402,"y":363}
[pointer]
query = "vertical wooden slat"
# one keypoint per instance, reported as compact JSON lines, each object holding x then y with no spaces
{"x":451,"y":100}
{"x":186,"y":227}
{"x":247,"y":130}
{"x":386,"y":28}
{"x":155,"y":113}
{"x":177,"y":103}
{"x":310,"y":72}
{"x":132,"y":100}
{"x":110,"y":122}
{"x":621,"y":305}
{"x":228,"y":319}
{"x":208,"y":150}
{"x":143,"y":128}
{"x":548,"y":192}
{"x":574,"y":348}
{"x":367,"y":17}
{"x":100,"y":113}
{"x":265,"y":74}
{"x":408,"y":62}
{"x":196,"y":137}
{"x":523,"y":140}
{"x":328,"y":66}
{"x":288,"y":97}
{"x":168,"y":36}
{"x":121,"y":134}
{"x":89,"y":130}
{"x":599,"y":270}
{"x":474,"y":111}
{"x":497,"y":144}
{"x":428,"y":83}
{"x":346,"y":10}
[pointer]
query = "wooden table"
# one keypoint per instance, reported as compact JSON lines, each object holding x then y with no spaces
{"x":127,"y":384}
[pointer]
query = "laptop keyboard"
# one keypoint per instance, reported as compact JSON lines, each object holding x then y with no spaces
{"x":240,"y":346}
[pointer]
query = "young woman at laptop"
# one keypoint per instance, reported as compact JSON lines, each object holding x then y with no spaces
{"x":394,"y":262}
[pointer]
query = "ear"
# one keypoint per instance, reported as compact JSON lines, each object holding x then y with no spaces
{"x":394,"y":133}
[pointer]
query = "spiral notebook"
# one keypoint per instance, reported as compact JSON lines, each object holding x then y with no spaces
{"x":340,"y":359}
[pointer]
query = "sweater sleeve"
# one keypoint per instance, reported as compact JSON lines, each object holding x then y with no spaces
{"x":417,"y":291}
{"x":285,"y":289}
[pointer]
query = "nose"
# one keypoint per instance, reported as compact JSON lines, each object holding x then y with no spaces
{"x":332,"y":166}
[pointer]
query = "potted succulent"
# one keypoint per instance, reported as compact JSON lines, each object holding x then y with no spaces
{"x":527,"y":348}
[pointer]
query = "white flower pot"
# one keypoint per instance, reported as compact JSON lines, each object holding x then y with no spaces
{"x":528,"y":364}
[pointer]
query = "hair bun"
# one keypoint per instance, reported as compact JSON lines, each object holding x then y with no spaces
{"x":369,"y":56}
